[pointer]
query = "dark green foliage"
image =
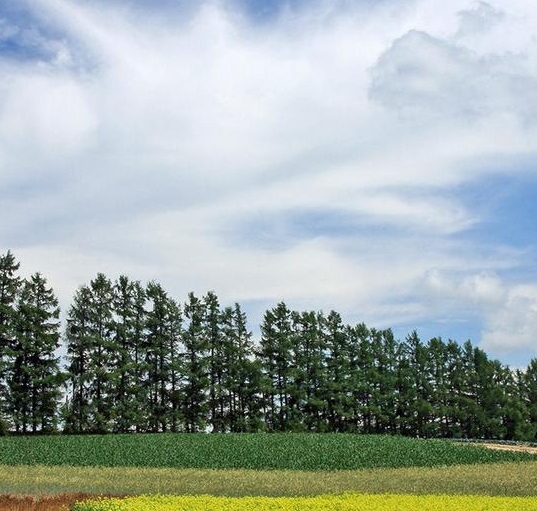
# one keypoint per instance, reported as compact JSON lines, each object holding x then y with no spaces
{"x":128,"y":364}
{"x":195,"y":367}
{"x":91,"y":352}
{"x":276,"y":356}
{"x":34,"y":375}
{"x":138,"y":361}
{"x":236,"y":376}
{"x":163,"y":334}
{"x":9,"y":287}
{"x":303,"y":451}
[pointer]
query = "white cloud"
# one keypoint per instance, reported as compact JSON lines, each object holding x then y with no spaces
{"x":513,"y":326}
{"x":151,"y":144}
{"x":507,"y":312}
{"x":49,"y":114}
{"x":425,"y":77}
{"x":477,"y":20}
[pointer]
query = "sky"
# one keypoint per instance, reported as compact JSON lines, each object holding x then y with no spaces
{"x":377,"y":158}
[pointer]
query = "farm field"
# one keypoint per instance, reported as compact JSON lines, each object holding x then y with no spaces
{"x":285,"y":451}
{"x":321,"y":503}
{"x":271,"y":465}
{"x":502,"y":479}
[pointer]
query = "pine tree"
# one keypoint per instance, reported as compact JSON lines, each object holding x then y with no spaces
{"x":217,"y":367}
{"x":163,"y":324}
{"x":415,"y":410}
{"x":9,"y":287}
{"x":104,"y":349}
{"x":359,"y":372}
{"x":515,"y":415}
{"x":129,"y":299}
{"x":364,"y":378}
{"x":35,"y":378}
{"x":275,"y":353}
{"x":383,"y":398}
{"x":91,"y":349}
{"x":243,"y":374}
{"x":437,"y":368}
{"x":471,"y":411}
{"x":78,"y":410}
{"x":453,"y":420}
{"x":195,"y":370}
{"x":337,"y":393}
{"x":310,"y":369}
{"x":528,"y":383}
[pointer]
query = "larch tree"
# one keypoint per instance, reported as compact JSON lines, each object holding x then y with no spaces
{"x":91,"y":349}
{"x":275,"y":355}
{"x":35,"y":378}
{"x":129,"y":299}
{"x":195,"y":367}
{"x":162,"y":351}
{"x":9,"y":286}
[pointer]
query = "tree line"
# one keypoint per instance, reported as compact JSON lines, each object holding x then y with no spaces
{"x":139,"y":361}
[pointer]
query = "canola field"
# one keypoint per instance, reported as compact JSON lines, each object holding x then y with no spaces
{"x":348,"y":502}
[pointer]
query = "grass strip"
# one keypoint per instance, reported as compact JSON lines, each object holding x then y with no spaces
{"x":502,"y":479}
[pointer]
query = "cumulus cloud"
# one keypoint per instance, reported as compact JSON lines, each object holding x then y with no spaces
{"x":477,"y":20}
{"x":320,"y":155}
{"x":423,"y":76}
{"x":507,"y":312}
{"x":513,"y":326}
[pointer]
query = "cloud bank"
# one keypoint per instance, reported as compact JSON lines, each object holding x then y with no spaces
{"x":321,"y":155}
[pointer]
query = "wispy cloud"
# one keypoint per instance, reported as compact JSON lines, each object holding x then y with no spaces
{"x":320,"y":154}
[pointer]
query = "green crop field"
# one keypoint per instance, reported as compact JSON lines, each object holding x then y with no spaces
{"x":246,"y":451}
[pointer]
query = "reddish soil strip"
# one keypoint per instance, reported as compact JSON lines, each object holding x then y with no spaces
{"x":57,"y":502}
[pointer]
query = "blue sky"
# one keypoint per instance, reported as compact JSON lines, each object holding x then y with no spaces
{"x":376,"y":158}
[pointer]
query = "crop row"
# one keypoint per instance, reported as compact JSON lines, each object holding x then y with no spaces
{"x":347,"y":502}
{"x":245,"y":451}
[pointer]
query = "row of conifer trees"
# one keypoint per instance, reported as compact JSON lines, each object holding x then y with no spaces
{"x":136,"y":360}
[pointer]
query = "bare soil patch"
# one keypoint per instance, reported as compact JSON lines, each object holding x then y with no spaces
{"x":54,"y":502}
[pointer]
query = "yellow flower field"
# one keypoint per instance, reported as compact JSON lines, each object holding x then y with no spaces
{"x":346,"y":502}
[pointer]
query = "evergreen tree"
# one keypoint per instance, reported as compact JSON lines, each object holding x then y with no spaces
{"x":275,"y":356}
{"x":472,"y":396}
{"x":360,"y":368}
{"x":239,"y":376}
{"x":337,"y":392}
{"x":104,"y":350}
{"x":415,"y":409}
{"x":34,"y":377}
{"x":217,"y":366}
{"x":516,"y":422}
{"x":195,"y":370}
{"x":79,"y":407}
{"x":452,"y":423}
{"x":91,"y":350}
{"x":439,"y":377}
{"x":310,"y":373}
{"x":162,"y":359}
{"x":128,"y":369}
{"x":9,"y":287}
{"x":245,"y":376}
{"x":528,"y":383}
{"x":384,"y":381}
